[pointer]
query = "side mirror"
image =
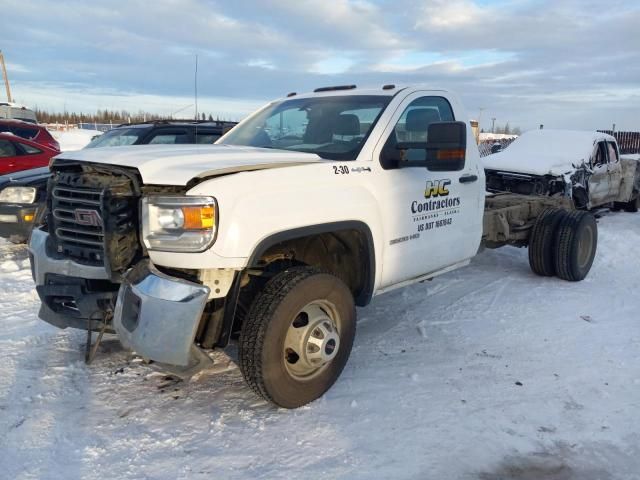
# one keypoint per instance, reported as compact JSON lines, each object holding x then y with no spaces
{"x":446,"y":146}
{"x":444,"y":150}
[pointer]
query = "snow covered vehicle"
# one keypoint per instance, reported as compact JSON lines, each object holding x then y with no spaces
{"x":585,"y":166}
{"x":271,"y":237}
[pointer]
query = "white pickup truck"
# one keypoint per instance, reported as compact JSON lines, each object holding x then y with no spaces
{"x":309,"y":207}
{"x":585,"y":166}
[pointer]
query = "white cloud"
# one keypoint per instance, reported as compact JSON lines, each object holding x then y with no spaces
{"x":522,"y":60}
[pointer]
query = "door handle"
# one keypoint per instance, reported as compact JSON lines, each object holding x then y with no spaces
{"x":468,"y":178}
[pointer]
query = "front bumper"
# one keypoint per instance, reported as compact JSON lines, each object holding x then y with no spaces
{"x":157,"y":316}
{"x":154,"y":314}
{"x":17,"y":220}
{"x":71,"y":293}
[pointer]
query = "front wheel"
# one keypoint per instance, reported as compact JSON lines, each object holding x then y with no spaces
{"x":297,"y":336}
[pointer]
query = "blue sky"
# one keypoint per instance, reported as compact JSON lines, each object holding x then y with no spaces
{"x":567,"y":64}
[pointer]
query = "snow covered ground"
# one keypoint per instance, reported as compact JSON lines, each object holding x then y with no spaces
{"x":486,"y":373}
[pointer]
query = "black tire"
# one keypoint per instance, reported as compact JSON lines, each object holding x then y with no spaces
{"x":272,"y":313}
{"x":541,"y":241}
{"x":633,"y":205}
{"x":617,"y":206}
{"x":576,"y":243}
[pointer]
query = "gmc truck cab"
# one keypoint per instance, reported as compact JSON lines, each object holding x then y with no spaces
{"x":308,"y":208}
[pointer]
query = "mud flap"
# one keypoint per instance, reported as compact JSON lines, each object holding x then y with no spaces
{"x":157,"y":315}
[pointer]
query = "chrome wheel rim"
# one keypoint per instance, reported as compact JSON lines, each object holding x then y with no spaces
{"x":312,"y":340}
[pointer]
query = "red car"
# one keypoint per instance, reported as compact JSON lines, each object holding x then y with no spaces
{"x":17,"y":154}
{"x":30,"y":131}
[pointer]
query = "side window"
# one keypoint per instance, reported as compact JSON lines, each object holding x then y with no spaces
{"x":600,"y":156}
{"x":27,"y":133}
{"x":171,"y":137}
{"x":28,"y":149}
{"x":412,"y":129}
{"x":613,"y":152}
{"x":7,"y":149}
{"x":206,"y":138}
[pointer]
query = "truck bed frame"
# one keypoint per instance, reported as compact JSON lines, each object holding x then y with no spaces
{"x":509,"y":217}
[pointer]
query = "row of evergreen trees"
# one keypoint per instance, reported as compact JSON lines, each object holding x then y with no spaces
{"x":104,"y":116}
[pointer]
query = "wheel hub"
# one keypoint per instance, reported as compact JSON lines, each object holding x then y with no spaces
{"x":312,"y":340}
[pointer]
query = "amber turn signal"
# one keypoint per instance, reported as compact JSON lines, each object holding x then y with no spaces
{"x":198,"y":217}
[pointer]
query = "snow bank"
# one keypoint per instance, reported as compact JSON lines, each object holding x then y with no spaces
{"x":74,"y":139}
{"x":542,"y":152}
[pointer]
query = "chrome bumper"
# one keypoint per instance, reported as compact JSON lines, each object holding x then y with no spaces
{"x":43,"y":264}
{"x":157,"y":315}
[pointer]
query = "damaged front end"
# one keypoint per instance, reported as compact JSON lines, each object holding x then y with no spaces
{"x":157,"y":315}
{"x":573,"y":184}
{"x":526,"y":184}
{"x":92,"y":272}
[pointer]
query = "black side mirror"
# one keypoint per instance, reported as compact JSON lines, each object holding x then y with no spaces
{"x":444,"y":150}
{"x":446,"y":146}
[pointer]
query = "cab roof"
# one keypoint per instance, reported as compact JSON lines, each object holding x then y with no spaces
{"x":388,"y":90}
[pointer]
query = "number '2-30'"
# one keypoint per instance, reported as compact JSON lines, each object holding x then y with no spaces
{"x":341,"y":169}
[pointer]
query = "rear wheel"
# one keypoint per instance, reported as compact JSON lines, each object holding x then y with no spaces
{"x":541,"y":242}
{"x":297,"y":336}
{"x":576,"y":242}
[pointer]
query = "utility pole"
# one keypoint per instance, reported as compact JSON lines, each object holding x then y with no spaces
{"x":493,"y":124}
{"x":195,"y":90}
{"x":6,"y":78}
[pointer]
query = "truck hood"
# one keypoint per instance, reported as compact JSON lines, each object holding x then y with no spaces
{"x":178,"y":164}
{"x":546,"y":152}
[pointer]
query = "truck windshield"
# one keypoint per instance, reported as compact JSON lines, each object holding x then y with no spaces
{"x":331,"y":127}
{"x":118,"y":137}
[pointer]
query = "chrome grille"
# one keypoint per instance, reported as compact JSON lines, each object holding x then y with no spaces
{"x":93,"y":215}
{"x":66,"y":204}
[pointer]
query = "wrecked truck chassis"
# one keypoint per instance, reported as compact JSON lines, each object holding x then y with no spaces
{"x":573,"y":184}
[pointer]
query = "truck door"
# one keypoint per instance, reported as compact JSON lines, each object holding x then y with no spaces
{"x":615,"y":171}
{"x":431,"y":220}
{"x":599,"y":179}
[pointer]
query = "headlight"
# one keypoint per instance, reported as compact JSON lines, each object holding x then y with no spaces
{"x":18,"y":195}
{"x":179,"y":224}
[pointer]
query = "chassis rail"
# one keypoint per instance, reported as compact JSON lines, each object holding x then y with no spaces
{"x":509,"y":217}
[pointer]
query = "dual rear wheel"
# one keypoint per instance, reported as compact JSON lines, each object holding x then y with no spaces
{"x":563,"y":243}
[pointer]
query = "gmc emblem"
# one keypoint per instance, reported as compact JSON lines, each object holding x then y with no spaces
{"x":89,"y":218}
